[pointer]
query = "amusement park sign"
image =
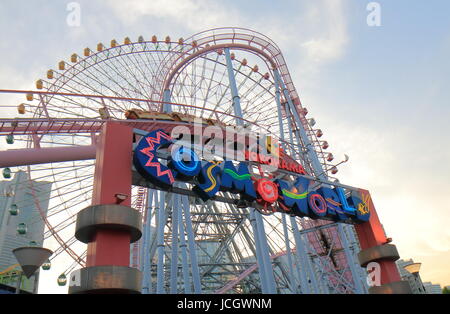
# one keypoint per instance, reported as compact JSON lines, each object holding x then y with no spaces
{"x":292,"y":193}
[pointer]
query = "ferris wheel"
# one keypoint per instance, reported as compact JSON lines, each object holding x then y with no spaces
{"x":227,"y":77}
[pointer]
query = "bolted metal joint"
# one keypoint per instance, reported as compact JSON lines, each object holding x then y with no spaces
{"x":380,"y":252}
{"x":111,"y":216}
{"x":105,"y":279}
{"x":397,"y":287}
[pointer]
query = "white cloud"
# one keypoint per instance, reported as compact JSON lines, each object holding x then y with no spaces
{"x":330,"y":39}
{"x":195,"y":15}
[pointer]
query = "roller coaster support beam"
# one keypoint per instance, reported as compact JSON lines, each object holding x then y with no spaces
{"x":174,"y":257}
{"x":233,"y":87}
{"x":145,"y":254}
{"x":266,"y":270}
{"x":184,"y":257}
{"x":160,"y":288}
{"x":192,"y":247}
{"x":167,"y":107}
{"x":110,"y":224}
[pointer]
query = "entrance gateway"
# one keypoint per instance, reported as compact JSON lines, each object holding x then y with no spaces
{"x":203,"y":224}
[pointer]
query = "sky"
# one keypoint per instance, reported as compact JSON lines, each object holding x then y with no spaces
{"x":380,"y":93}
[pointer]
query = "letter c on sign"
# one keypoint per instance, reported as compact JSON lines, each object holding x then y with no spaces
{"x":146,"y":161}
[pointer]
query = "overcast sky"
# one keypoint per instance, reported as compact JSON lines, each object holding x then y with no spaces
{"x":380,"y":94}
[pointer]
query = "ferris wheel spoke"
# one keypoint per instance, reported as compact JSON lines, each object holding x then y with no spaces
{"x":144,"y":88}
{"x":209,"y":87}
{"x":56,"y":210}
{"x":133,"y":91}
{"x":27,"y":203}
{"x":74,"y":264}
{"x":80,"y":84}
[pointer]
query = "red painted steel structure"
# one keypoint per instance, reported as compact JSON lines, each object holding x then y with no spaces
{"x":112,"y":177}
{"x":371,"y":234}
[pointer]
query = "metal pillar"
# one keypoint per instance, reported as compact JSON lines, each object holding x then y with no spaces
{"x":309,"y":267}
{"x":265,"y":252}
{"x":303,"y":254}
{"x":35,"y":156}
{"x":174,"y":257}
{"x":233,"y":87}
{"x":353,"y":239}
{"x":146,"y":262}
{"x":265,"y":264}
{"x":304,"y":286}
{"x":160,"y":244}
{"x":261,"y":267}
{"x":166,"y":98}
{"x":292,"y":279}
{"x":184,"y":258}
{"x":192,"y":248}
{"x":19,"y":283}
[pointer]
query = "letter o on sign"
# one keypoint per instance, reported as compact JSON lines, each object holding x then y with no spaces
{"x":317,"y":204}
{"x":185,"y":161}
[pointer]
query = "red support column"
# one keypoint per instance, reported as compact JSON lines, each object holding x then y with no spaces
{"x":112,"y":177}
{"x":375,"y":247}
{"x":109,"y":225}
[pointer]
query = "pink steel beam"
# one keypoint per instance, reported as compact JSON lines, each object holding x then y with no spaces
{"x":250,"y":39}
{"x":46,"y":126}
{"x":34,"y":156}
{"x":90,"y":125}
{"x":2,"y":121}
{"x":212,"y":48}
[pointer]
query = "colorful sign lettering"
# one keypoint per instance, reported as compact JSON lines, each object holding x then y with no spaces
{"x":296,"y":198}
